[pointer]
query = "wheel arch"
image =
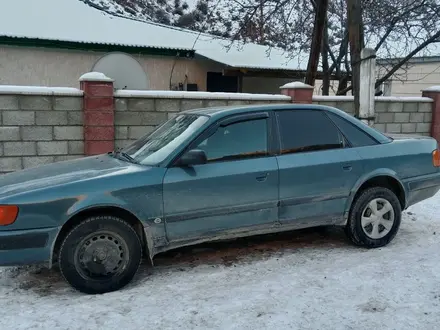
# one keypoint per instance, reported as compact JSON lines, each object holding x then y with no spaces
{"x":381,"y":178}
{"x":112,"y":210}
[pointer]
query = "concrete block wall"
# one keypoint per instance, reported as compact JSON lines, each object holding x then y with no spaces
{"x":38,"y":127}
{"x":406,"y":115}
{"x":346,"y":105}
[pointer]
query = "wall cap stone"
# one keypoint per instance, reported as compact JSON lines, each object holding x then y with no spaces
{"x":95,"y":76}
{"x":296,"y":85}
{"x":200,"y":95}
{"x":39,"y":90}
{"x":432,"y":89}
{"x":402,"y":99}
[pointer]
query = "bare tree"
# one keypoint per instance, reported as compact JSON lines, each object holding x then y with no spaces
{"x":396,"y":29}
{"x":400,"y":29}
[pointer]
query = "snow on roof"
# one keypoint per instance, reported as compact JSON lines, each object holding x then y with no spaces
{"x":75,"y":21}
{"x":251,"y":56}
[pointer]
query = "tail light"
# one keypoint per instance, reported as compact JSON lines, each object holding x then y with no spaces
{"x":436,"y":157}
{"x":8,"y":214}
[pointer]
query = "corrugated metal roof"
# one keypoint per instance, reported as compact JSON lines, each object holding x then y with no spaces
{"x":74,"y":21}
{"x":251,"y":56}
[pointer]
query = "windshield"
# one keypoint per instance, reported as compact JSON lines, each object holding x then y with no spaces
{"x":157,"y":146}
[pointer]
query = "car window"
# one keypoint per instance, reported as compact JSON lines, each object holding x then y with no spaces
{"x":236,"y":141}
{"x":355,"y":136}
{"x":307,"y":130}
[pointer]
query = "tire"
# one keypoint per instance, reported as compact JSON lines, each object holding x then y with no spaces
{"x":101,"y":254}
{"x":363,"y":211}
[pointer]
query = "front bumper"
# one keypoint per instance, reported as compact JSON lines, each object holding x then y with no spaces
{"x":422,"y":188}
{"x":25,"y":247}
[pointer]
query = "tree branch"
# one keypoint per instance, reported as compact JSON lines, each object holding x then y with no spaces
{"x":429,"y":41}
{"x":395,"y":20}
{"x":342,"y":51}
{"x":432,"y":39}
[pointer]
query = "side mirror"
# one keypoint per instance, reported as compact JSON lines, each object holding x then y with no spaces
{"x":193,"y":157}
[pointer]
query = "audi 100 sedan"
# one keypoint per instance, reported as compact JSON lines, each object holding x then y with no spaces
{"x":213,"y":174}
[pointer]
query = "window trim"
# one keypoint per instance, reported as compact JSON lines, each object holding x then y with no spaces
{"x":346,"y":137}
{"x":344,"y":141}
{"x":242,"y":118}
{"x":226,"y":121}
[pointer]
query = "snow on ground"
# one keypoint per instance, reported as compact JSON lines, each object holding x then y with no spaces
{"x":302,"y":280}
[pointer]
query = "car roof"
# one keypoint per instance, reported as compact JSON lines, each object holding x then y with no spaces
{"x":223,"y":111}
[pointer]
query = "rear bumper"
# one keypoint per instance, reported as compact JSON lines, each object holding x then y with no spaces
{"x":24,"y":247}
{"x":422,"y":188}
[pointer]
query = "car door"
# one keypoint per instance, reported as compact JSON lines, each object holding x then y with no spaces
{"x":317,"y":168}
{"x":236,"y":190}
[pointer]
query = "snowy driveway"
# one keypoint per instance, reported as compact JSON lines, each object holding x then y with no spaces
{"x":303,"y":280}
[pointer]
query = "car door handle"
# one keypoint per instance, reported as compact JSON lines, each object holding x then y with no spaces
{"x":347,"y":168}
{"x":262,"y":177}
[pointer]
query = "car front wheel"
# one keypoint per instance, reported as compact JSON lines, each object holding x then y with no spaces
{"x":374,"y":218}
{"x":101,"y":254}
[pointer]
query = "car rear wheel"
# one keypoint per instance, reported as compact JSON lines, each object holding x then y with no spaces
{"x":101,"y":254}
{"x":374,"y":218}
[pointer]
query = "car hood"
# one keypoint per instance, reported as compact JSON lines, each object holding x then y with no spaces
{"x":60,"y":173}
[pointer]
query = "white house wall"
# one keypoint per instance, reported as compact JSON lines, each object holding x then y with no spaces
{"x":50,"y":67}
{"x":30,"y":66}
{"x":411,"y":79}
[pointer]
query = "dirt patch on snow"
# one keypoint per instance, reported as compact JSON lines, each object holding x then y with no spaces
{"x":252,"y":248}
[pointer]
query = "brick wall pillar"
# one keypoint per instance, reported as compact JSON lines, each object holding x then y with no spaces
{"x":99,"y":113}
{"x":298,"y":91}
{"x":434,"y":93}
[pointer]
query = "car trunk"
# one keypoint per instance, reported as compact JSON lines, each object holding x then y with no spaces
{"x":407,"y":136}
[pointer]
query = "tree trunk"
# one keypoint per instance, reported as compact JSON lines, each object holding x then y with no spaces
{"x":343,"y":82}
{"x":261,"y":22}
{"x":325,"y":65}
{"x":315,"y":49}
{"x":354,"y":13}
